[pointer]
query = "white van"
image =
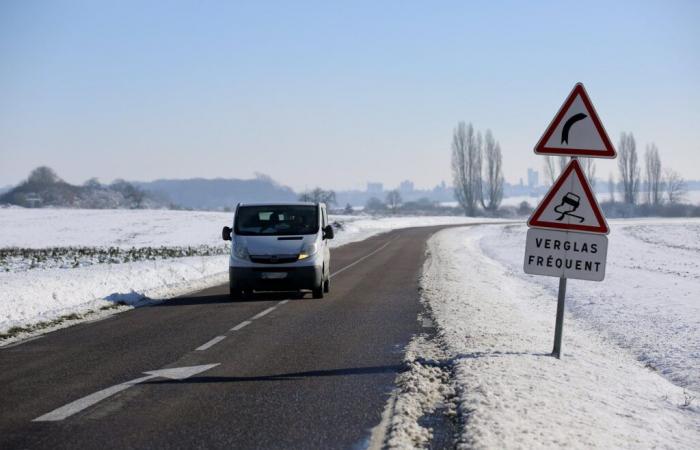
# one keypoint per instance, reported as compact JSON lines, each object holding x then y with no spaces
{"x":279,"y":247}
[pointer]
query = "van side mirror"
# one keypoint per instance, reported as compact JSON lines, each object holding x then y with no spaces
{"x":328,"y":232}
{"x":226,"y":234}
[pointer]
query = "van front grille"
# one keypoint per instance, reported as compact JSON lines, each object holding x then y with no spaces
{"x":274,"y":259}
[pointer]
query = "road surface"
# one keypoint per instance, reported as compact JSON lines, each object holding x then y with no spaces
{"x":275,"y":372}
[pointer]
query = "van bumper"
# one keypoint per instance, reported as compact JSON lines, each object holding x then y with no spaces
{"x":275,"y":278}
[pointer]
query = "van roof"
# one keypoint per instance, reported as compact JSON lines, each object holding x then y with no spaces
{"x":281,"y":204}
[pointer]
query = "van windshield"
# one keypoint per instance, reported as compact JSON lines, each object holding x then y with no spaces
{"x":276,"y":220}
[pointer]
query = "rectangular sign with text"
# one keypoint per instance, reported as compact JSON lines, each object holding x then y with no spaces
{"x":566,"y":254}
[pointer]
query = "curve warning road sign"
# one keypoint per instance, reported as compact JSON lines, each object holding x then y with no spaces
{"x":576,"y":130}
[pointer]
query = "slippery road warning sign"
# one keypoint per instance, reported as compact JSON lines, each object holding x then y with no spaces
{"x":570,"y":205}
{"x":576,"y":130}
{"x":566,"y":255}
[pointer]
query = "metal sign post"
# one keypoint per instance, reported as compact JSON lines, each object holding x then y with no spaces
{"x":558,"y":328}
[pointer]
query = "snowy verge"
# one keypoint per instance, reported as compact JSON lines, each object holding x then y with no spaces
{"x":28,"y":298}
{"x":496,"y":332}
{"x":424,"y":391}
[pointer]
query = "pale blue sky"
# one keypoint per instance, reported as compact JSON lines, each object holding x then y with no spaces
{"x":316,"y":93}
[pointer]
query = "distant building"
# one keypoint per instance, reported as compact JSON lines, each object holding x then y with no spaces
{"x":406,"y":187}
{"x":533,"y":178}
{"x":375,"y":188}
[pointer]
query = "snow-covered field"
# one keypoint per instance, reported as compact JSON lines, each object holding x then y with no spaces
{"x":691,"y":197}
{"x":73,"y":261}
{"x":629,"y":376}
{"x":649,"y":301}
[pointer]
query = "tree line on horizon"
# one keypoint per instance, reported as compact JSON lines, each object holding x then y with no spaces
{"x":477,"y":172}
{"x":646,"y":190}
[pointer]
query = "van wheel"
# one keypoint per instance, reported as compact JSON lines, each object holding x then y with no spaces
{"x":235,"y":294}
{"x":327,"y":285}
{"x":318,"y":291}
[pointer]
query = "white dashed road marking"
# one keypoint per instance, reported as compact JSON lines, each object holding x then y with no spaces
{"x":263,"y":313}
{"x":241,"y":325}
{"x":211,"y":343}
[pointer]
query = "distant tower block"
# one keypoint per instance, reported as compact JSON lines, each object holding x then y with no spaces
{"x":533,"y":178}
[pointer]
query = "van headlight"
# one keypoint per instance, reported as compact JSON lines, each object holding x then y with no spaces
{"x":308,"y":250}
{"x":240,"y":250}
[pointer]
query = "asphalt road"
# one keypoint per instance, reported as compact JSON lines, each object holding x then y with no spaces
{"x":305,"y":374}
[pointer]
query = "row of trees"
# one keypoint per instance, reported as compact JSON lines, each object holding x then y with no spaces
{"x":656,"y":181}
{"x":477,"y":169}
{"x":658,"y":185}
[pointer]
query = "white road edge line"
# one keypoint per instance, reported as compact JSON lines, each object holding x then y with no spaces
{"x":361,"y":259}
{"x":380,"y":433}
{"x":210,"y":344}
{"x":245,"y":323}
{"x":263,"y":313}
{"x":23,"y":341}
{"x":283,"y":302}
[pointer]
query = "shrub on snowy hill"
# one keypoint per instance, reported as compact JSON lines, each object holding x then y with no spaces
{"x":44,"y":188}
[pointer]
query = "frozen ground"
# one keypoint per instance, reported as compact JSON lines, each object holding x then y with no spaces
{"x":72,"y":261}
{"x":649,"y":301}
{"x":629,"y":372}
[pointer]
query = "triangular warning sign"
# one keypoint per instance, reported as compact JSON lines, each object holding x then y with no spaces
{"x":576,"y":130}
{"x":570,"y":205}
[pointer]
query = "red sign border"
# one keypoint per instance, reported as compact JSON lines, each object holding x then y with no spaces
{"x":535,"y":222}
{"x":609,"y":152}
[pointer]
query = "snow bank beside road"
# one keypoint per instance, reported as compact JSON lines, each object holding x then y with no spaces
{"x":28,"y":297}
{"x":498,"y":328}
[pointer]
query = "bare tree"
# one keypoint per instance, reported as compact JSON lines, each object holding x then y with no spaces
{"x":588,"y":165}
{"x":549,"y":171}
{"x":553,"y":166}
{"x":611,"y":187}
{"x":492,"y":195}
{"x":628,"y":164}
{"x":675,"y":186}
{"x":466,"y":167}
{"x":563,"y":161}
{"x":393,"y":200}
{"x":318,"y":195}
{"x":653,"y":175}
